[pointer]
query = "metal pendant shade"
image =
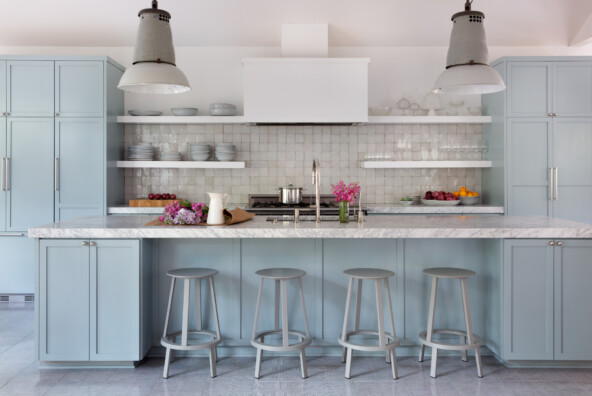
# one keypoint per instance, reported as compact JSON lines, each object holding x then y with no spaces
{"x":154,"y":70}
{"x":467,"y":70}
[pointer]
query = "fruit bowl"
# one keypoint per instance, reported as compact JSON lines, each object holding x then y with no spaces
{"x":469,"y":200}
{"x":435,"y":202}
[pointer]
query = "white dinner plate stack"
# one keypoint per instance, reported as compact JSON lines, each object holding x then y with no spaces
{"x":225,"y":151}
{"x":141,"y":152}
{"x":170,"y":156}
{"x":199,"y":151}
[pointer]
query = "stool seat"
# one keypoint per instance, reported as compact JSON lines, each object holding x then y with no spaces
{"x":280,"y":273}
{"x":449,"y":273}
{"x":368,"y":273}
{"x":192,"y":273}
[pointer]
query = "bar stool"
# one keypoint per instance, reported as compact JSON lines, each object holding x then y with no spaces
{"x":168,"y":340}
{"x":281,"y":277}
{"x":387,"y":342}
{"x":425,"y":337}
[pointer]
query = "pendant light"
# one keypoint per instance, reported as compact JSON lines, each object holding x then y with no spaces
{"x":154,"y":70}
{"x":467,"y":70}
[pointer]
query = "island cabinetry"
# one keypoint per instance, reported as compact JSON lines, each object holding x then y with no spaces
{"x":545,"y":314}
{"x":90,"y":300}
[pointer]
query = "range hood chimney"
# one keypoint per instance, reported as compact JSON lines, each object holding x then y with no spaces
{"x":305,"y":86}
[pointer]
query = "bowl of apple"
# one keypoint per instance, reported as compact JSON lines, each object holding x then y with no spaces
{"x":440,"y":198}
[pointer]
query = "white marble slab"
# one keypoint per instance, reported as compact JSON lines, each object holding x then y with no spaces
{"x":425,"y":209}
{"x":455,"y":226}
{"x":134,"y":210}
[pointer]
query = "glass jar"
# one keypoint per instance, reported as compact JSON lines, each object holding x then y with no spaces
{"x":344,"y":212}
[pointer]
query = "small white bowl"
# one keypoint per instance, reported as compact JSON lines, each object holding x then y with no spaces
{"x":184,"y":111}
{"x":474,"y":110}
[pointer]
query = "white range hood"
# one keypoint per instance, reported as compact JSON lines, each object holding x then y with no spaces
{"x":305,"y":90}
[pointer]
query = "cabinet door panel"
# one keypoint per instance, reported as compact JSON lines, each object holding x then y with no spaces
{"x":79,"y":89}
{"x":30,"y":172}
{"x":573,"y":294}
{"x":572,"y":89}
{"x":17,"y":265}
{"x":3,"y":193}
{"x":115,"y":300}
{"x":2,"y":86}
{"x":30,"y":89}
{"x":528,"y":300}
{"x":572,"y":145}
{"x":529,"y":159}
{"x":63,"y":288}
{"x":529,"y":89}
{"x":79,"y":149}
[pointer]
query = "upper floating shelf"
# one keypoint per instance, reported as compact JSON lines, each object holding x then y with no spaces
{"x":424,"y":164}
{"x":182,"y":164}
{"x":241,"y":120}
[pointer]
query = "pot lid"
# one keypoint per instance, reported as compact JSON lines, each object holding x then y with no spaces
{"x":290,"y":187}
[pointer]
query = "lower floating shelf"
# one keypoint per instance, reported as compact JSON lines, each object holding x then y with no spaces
{"x":424,"y":164}
{"x":182,"y":164}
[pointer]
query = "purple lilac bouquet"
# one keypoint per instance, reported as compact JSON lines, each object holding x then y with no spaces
{"x":345,"y":193}
{"x":184,"y":212}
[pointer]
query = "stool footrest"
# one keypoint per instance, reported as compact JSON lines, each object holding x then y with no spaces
{"x":168,"y":343}
{"x":392,"y":341}
{"x":448,"y":346}
{"x":306,"y":340}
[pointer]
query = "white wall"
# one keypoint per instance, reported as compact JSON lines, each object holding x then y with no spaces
{"x":215,"y":73}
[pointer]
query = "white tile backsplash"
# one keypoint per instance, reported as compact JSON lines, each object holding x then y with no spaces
{"x":278,"y":155}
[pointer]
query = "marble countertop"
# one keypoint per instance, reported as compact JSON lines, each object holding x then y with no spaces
{"x":425,"y":209}
{"x":416,"y":226}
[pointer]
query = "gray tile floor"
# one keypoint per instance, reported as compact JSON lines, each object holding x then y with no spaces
{"x":19,"y":374}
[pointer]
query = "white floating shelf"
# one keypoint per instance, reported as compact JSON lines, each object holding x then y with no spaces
{"x":180,"y":120}
{"x":182,"y":164}
{"x":430,"y":120}
{"x":424,"y":164}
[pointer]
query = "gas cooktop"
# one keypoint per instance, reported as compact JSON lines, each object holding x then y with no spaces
{"x":269,"y":204}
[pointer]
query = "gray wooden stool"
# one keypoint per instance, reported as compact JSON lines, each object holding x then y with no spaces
{"x":387,"y":342}
{"x":281,"y":277}
{"x":468,"y":340}
{"x":168,"y":340}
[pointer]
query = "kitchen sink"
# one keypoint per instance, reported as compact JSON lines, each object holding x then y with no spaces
{"x":290,"y":218}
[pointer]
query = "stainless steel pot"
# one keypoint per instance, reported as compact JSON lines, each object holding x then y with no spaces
{"x":291,"y":194}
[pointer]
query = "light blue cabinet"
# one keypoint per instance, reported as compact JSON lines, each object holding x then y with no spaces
{"x":30,"y":171}
{"x":79,"y":89}
{"x":79,"y":158}
{"x":528,"y":92}
{"x":30,"y":88}
{"x":546,"y":310}
{"x":2,"y":87}
{"x":3,"y":192}
{"x":573,"y":294}
{"x":90,"y":300}
{"x":572,"y":89}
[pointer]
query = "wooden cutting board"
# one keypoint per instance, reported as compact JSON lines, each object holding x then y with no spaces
{"x":150,"y":203}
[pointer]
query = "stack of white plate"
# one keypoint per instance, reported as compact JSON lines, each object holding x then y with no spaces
{"x":225,"y":151}
{"x":222,"y":109}
{"x":170,"y":156}
{"x":140,"y":152}
{"x":199,"y":151}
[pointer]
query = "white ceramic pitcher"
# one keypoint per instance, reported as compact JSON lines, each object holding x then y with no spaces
{"x":216,"y":211}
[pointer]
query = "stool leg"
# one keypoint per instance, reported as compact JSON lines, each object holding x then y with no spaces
{"x":215,"y":306}
{"x":434,"y":362}
{"x":348,"y":363}
{"x":345,"y":320}
{"x":258,"y":363}
{"x":185,"y":325}
{"x":172,"y":358}
{"x":463,"y":353}
{"x":197,"y":287}
{"x":392,"y":355}
{"x":471,"y":338}
{"x":303,"y":368}
{"x":213,"y":362}
{"x":259,"y":351}
{"x":379,"y":310}
{"x":285,"y":329}
{"x":167,"y":360}
{"x":307,"y":330}
{"x":276,"y":318}
{"x":431,"y":313}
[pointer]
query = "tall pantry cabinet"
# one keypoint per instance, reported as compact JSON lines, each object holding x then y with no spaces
{"x":541,"y":138}
{"x":58,"y":135}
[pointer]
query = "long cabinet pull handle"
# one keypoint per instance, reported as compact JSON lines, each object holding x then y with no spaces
{"x":6,"y":183}
{"x":2,"y":177}
{"x":550,"y":183}
{"x":55,"y":173}
{"x":556,"y":184}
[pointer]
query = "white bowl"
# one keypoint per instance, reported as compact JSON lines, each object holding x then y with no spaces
{"x":198,"y":157}
{"x":469,"y":200}
{"x":474,"y":110}
{"x":184,"y":111}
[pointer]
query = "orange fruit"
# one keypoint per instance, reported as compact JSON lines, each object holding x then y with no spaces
{"x":456,"y":193}
{"x":463,"y":189}
{"x":463,"y":193}
{"x":475,"y":194}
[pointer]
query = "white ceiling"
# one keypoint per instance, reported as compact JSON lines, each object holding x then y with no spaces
{"x":257,"y":23}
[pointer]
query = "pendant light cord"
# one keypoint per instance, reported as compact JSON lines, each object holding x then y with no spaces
{"x":468,"y":5}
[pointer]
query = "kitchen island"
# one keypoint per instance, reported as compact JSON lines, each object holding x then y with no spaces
{"x":107,"y":275}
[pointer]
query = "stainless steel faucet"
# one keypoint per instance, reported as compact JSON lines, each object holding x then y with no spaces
{"x":316,"y":180}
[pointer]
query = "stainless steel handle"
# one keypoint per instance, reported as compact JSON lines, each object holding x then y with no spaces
{"x":551,"y":243}
{"x":556,"y":184}
{"x":6,"y":184}
{"x":555,"y":114}
{"x":2,"y":177}
{"x":551,"y":184}
{"x":55,"y":173}
{"x":559,"y":243}
{"x":93,"y":244}
{"x":84,"y":243}
{"x":550,"y":114}
{"x":57,"y":114}
{"x":12,"y":234}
